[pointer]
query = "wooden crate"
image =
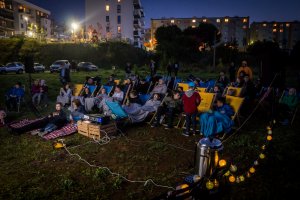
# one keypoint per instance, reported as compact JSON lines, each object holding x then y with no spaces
{"x":94,"y":131}
{"x":83,"y":128}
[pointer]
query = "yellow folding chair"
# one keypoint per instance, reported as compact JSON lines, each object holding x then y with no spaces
{"x":235,"y":103}
{"x":237,"y":91}
{"x":184,"y":86}
{"x":77,"y":89}
{"x":117,"y":81}
{"x":201,"y":89}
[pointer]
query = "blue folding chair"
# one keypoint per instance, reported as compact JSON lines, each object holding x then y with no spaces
{"x":116,"y":109}
{"x":144,"y":98}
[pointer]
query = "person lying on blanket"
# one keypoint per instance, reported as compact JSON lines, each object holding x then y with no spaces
{"x":56,"y":120}
{"x":218,"y":121}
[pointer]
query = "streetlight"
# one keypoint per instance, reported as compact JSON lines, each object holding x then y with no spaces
{"x":74,"y":28}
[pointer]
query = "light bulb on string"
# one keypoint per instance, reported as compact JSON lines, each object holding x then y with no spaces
{"x":242,"y":178}
{"x":252,"y":170}
{"x":269,"y":138}
{"x":233,"y":168}
{"x":231,"y":179}
{"x":209,"y":185}
{"x":256,"y":163}
{"x":262,"y":156}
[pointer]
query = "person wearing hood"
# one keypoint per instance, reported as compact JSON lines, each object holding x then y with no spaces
{"x":191,"y":101}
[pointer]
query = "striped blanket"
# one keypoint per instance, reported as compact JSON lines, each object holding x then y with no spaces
{"x":64,"y":131}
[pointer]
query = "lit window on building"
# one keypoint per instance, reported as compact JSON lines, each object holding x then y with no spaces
{"x":107,"y":8}
{"x":281,"y":30}
{"x":275,"y":25}
{"x":218,"y":20}
{"x":193,"y":26}
{"x":193,"y":20}
{"x":172,"y":21}
{"x":274,"y":30}
{"x":119,"y":1}
{"x":244,"y":27}
{"x":2,"y":4}
{"x":226,"y":20}
{"x":119,"y":29}
{"x":264,"y":25}
{"x":245,"y":20}
{"x":204,"y":20}
{"x":287,"y":25}
{"x":37,"y":12}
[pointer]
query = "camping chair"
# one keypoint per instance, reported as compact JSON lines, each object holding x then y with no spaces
{"x":235,"y":103}
{"x":92,"y":89}
{"x":117,"y":110}
{"x":207,"y":101}
{"x":117,"y":81}
{"x":176,"y":81}
{"x":126,"y":95}
{"x":108,"y":89}
{"x":237,"y":91}
{"x":155,"y":113}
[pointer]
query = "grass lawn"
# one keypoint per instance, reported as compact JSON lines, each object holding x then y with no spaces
{"x":31,"y":169}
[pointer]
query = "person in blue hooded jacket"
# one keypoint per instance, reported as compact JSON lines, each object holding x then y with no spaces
{"x":14,"y":95}
{"x":217,"y":121}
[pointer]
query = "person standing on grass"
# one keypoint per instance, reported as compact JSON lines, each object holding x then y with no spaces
{"x":245,"y":70}
{"x":191,"y":101}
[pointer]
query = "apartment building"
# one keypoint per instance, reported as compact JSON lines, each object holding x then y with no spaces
{"x":286,"y":34}
{"x":232,"y":28}
{"x":6,"y":18}
{"x":115,"y":20}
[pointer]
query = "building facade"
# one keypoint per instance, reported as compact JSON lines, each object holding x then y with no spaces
{"x":286,"y":34}
{"x":31,"y":20}
{"x":233,"y":29}
{"x":115,"y":20}
{"x":6,"y":18}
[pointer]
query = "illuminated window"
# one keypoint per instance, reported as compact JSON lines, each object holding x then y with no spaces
{"x":119,"y":29}
{"x":37,"y":12}
{"x":218,"y":20}
{"x":172,"y":21}
{"x":245,"y":20}
{"x":193,"y":20}
{"x":119,"y":1}
{"x":281,"y":30}
{"x":107,"y":8}
{"x":244,"y":27}
{"x":2,"y":4}
{"x":274,"y":30}
{"x":287,"y":25}
{"x":226,"y":20}
{"x":264,"y":25}
{"x":275,"y":25}
{"x":193,"y":26}
{"x":204,"y":20}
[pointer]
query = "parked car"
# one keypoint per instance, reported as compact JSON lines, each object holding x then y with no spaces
{"x":57,"y":65}
{"x":86,"y":66}
{"x":38,"y":67}
{"x":15,"y":67}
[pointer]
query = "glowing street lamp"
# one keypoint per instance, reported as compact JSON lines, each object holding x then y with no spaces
{"x":74,"y":26}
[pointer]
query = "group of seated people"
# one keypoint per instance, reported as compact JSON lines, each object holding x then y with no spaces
{"x":39,"y":92}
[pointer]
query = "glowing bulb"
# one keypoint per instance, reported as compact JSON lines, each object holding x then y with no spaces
{"x":269,"y":138}
{"x":248,"y":175}
{"x":232,"y":179}
{"x":216,"y":183}
{"x":209,"y":185}
{"x":270,"y":132}
{"x":237,"y":179}
{"x":256,"y":163}
{"x":263,"y":147}
{"x":227,"y":173}
{"x":233,"y":168}
{"x":222,"y":163}
{"x":268,"y":128}
{"x":252,"y":170}
{"x":242,"y":178}
{"x":262,"y":156}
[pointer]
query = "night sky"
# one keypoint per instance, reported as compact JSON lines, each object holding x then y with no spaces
{"x":258,"y":10}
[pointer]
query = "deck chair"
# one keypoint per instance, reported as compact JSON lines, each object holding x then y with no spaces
{"x":77,"y":89}
{"x":108,"y":89}
{"x":117,"y":81}
{"x":92,"y":89}
{"x":201,"y":89}
{"x":126,"y":94}
{"x":144,"y":98}
{"x":185,"y":86}
{"x":117,"y":110}
{"x":237,"y":91}
{"x":235,"y":103}
{"x":176,"y":81}
{"x":207,"y":100}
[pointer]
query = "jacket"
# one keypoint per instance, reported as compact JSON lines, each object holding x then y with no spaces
{"x":191,"y":101}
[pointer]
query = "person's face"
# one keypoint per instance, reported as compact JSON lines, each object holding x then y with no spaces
{"x":244,"y":64}
{"x":67,"y":86}
{"x":86,"y":90}
{"x":17,"y":86}
{"x":246,"y":78}
{"x":103,"y":91}
{"x":219,"y":103}
{"x":117,"y":90}
{"x":160,"y":81}
{"x":291,"y":91}
{"x":90,"y":81}
{"x":36,"y":82}
{"x":216,"y":89}
{"x":155,"y":97}
{"x":177,"y":96}
{"x":58,"y":107}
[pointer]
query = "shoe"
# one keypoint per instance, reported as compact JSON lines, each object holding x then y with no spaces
{"x":168,"y":127}
{"x":154,"y":125}
{"x":34,"y":132}
{"x":185,"y":134}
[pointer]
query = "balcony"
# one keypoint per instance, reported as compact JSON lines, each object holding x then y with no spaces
{"x":136,"y":34}
{"x":137,"y":4}
{"x":6,"y":15}
{"x":137,"y":24}
{"x":137,"y":14}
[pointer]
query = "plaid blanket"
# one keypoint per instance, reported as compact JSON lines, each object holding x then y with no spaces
{"x":26,"y":125}
{"x":64,"y":131}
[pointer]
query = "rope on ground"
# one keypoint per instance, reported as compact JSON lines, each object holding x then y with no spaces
{"x":105,"y":141}
{"x":251,"y":114}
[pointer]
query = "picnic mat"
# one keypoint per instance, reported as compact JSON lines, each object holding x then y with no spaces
{"x":64,"y":131}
